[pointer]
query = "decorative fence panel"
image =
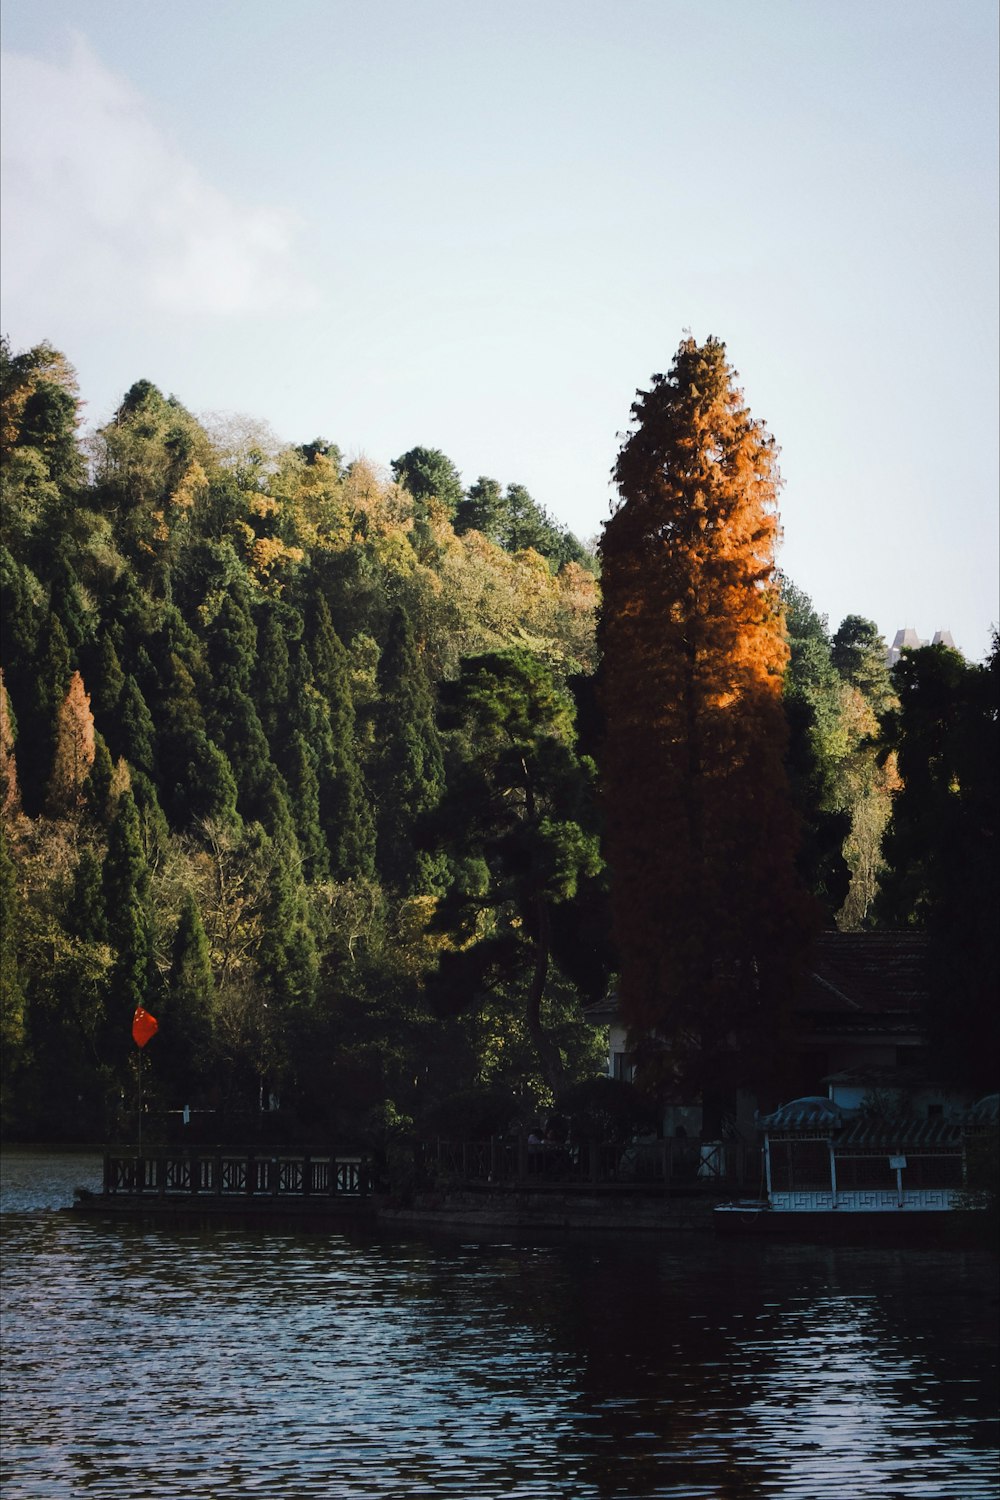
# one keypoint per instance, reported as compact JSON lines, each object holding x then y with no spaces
{"x":170,"y":1172}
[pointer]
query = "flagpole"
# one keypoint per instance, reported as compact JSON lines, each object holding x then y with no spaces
{"x":144,"y":1026}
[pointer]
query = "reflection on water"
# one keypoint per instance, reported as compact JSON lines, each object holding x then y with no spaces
{"x":153,"y":1362}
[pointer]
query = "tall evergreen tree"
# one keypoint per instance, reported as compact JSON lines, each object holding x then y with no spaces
{"x":944,"y":877}
{"x":109,"y":681}
{"x":38,"y":720}
{"x":126,"y":895}
{"x":346,"y":813}
{"x":710,"y":920}
{"x":410,"y":768}
{"x":429,"y":474}
{"x":514,"y":822}
{"x":12,"y":997}
{"x":186,"y":1006}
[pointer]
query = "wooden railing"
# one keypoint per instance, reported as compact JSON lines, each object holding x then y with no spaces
{"x":197,"y":1173}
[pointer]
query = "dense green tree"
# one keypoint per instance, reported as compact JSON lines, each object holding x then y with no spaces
{"x":303,"y":787}
{"x":278,"y":629}
{"x":98,"y":788}
{"x":108,"y":681}
{"x":409,"y":771}
{"x":38,"y":712}
{"x":345,"y":811}
{"x":859,"y":654}
{"x":184,"y":1053}
{"x":943,"y":874}
{"x":39,"y":411}
{"x":483,"y":509}
{"x":816,"y":747}
{"x":126,"y":896}
{"x":149,"y":462}
{"x":514,"y":820}
{"x":429,"y":475}
{"x":134,"y":730}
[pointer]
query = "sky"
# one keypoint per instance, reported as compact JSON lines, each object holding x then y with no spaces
{"x":482,"y":226}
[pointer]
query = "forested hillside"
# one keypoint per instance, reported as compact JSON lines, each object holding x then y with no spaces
{"x":227,"y":791}
{"x":301,"y":756}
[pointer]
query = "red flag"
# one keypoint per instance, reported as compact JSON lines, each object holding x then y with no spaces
{"x":144,"y":1026}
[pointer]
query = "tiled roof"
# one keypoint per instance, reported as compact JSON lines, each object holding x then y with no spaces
{"x":900,"y":1132}
{"x":865,"y":1132}
{"x":812,"y":1113}
{"x":855,"y":974}
{"x":857,"y":983}
{"x":986,"y":1112}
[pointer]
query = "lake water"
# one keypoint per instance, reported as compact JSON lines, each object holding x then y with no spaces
{"x":154,"y":1362}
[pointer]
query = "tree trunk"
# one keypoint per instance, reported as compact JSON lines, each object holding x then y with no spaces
{"x":548,"y":1053}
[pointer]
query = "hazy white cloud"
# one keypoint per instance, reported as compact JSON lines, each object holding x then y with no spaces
{"x":100,"y":207}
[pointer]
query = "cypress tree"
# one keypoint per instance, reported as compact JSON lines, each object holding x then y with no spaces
{"x":97,"y":789}
{"x":272,"y":677}
{"x":38,"y":724}
{"x":409,"y":770}
{"x":344,"y":808}
{"x":126,"y":895}
{"x":109,"y":681}
{"x":303,"y":785}
{"x":186,"y":1009}
{"x":196,"y":779}
{"x":134,"y":733}
{"x":232,"y":645}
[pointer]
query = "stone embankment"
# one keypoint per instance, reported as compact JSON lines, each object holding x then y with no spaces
{"x":553,"y":1210}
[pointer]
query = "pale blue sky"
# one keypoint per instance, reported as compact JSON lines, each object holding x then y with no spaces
{"x":481,"y":226}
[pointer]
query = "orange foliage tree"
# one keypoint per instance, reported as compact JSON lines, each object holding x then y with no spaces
{"x":710,"y":920}
{"x":75,"y":748}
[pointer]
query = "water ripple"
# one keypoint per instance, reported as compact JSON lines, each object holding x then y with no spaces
{"x":150,"y":1363}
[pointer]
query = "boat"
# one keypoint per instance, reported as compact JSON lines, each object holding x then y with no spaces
{"x":833,"y":1172}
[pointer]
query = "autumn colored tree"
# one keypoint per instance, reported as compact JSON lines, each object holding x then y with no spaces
{"x":709,"y":916}
{"x":12,"y":1001}
{"x":10,"y":796}
{"x":74,"y":753}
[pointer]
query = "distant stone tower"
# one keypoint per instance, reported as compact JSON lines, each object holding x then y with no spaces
{"x":904,"y":640}
{"x":908,"y":640}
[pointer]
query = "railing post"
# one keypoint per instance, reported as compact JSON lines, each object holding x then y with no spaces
{"x":306,"y":1174}
{"x":161,"y":1175}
